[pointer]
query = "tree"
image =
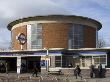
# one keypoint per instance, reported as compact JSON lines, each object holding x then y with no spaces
{"x":101,"y":43}
{"x":10,"y":46}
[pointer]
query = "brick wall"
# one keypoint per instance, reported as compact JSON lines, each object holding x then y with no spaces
{"x":55,"y":35}
{"x":89,"y":37}
{"x":15,"y":42}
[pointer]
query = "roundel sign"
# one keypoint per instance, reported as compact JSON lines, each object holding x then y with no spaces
{"x":22,"y":38}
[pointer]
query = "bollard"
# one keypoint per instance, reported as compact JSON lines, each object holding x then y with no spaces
{"x":39,"y":80}
{"x":18,"y":77}
{"x":70,"y":80}
{"x":7,"y":77}
{"x":41,"y":77}
{"x":30,"y":79}
{"x":85,"y":80}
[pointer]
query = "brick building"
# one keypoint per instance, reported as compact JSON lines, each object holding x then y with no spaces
{"x":50,"y":41}
{"x":55,"y":31}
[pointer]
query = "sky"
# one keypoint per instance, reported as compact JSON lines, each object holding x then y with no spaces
{"x":11,"y":10}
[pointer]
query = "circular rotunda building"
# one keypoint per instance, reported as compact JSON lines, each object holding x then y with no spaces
{"x":54,"y":31}
{"x":50,"y":41}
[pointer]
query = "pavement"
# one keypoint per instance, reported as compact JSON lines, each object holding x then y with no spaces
{"x":27,"y":77}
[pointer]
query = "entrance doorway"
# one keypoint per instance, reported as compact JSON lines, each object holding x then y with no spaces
{"x":31,"y":62}
{"x":10,"y":63}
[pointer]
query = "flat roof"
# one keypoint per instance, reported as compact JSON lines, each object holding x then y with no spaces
{"x":55,"y":17}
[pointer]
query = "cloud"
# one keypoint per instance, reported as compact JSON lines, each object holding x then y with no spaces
{"x":29,"y":8}
{"x":103,"y":3}
{"x":14,"y":9}
{"x":4,"y":39}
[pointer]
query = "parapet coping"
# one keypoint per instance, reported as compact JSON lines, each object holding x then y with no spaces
{"x":67,"y":18}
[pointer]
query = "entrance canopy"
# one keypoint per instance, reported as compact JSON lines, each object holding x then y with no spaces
{"x":55,"y":52}
{"x":92,"y":53}
{"x":36,"y":52}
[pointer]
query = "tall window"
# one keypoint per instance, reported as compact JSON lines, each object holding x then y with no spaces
{"x":76,"y":36}
{"x":36,"y":36}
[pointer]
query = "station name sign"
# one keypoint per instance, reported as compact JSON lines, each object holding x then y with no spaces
{"x":34,"y":54}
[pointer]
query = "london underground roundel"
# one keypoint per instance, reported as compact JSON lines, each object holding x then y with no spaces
{"x":22,"y":38}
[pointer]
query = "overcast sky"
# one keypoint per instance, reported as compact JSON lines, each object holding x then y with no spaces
{"x":11,"y":10}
